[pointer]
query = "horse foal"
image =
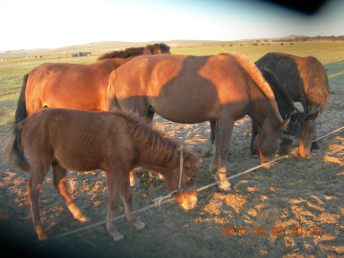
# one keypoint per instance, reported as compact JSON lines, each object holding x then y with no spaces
{"x":115,"y":142}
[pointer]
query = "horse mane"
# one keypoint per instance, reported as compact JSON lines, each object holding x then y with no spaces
{"x":258,"y":78}
{"x":129,"y":52}
{"x":319,"y":90}
{"x":158,"y":47}
{"x":135,"y":51}
{"x":160,"y":145}
{"x":284,"y":102}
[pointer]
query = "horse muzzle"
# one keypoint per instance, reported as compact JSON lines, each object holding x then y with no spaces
{"x":187,"y":199}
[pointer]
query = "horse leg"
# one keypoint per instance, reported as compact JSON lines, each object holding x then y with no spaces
{"x":212,"y":131}
{"x":315,"y":147}
{"x":114,"y":180}
{"x":60,"y":183}
{"x":215,"y":160}
{"x":224,"y":129}
{"x":254,"y":134}
{"x":37,"y":175}
{"x":126,"y":195}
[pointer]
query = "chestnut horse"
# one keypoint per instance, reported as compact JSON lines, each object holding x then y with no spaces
{"x":75,"y":86}
{"x":115,"y":142}
{"x":305,"y":80}
{"x":191,"y":89}
{"x":286,"y":108}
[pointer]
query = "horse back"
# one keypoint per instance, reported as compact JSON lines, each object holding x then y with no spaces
{"x":169,"y":83}
{"x":304,"y":78}
{"x":64,"y":85}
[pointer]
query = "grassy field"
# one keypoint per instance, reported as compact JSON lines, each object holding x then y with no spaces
{"x":331,"y":55}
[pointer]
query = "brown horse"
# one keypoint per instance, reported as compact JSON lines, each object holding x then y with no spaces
{"x":115,"y":142}
{"x":75,"y":86}
{"x":190,"y":89}
{"x":305,"y":80}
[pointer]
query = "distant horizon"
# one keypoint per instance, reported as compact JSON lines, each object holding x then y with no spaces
{"x":38,"y":24}
{"x":158,"y":41}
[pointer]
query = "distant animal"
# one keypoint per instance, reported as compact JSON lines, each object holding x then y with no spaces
{"x":195,"y":89}
{"x":291,"y":43}
{"x":282,"y":44}
{"x":305,"y":80}
{"x":115,"y":142}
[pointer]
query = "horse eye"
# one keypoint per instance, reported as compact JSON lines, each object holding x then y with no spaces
{"x":191,"y":179}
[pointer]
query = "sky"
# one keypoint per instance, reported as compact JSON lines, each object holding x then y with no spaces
{"x":52,"y":24}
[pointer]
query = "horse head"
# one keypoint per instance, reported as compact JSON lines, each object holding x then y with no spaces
{"x":184,"y":187}
{"x":292,"y":130}
{"x":156,"y":49}
{"x":267,"y":142}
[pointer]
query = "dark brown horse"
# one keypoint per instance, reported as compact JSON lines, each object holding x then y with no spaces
{"x":190,"y":89}
{"x":305,"y":80}
{"x":80,"y":140}
{"x":75,"y":86}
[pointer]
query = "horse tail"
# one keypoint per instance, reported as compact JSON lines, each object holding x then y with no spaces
{"x":113,"y":102}
{"x":21,"y":112}
{"x":319,"y":90}
{"x":13,"y":151}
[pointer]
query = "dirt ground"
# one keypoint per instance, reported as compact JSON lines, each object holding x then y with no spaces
{"x":293,"y":209}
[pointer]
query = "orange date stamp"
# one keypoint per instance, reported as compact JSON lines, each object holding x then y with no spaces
{"x":274,"y":231}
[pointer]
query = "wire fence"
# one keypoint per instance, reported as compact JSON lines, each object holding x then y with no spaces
{"x":168,"y":198}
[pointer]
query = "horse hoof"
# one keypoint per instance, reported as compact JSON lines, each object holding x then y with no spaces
{"x":117,"y":237}
{"x":316,"y":151}
{"x":255,"y":156}
{"x":225,"y":191}
{"x":42,"y":236}
{"x":225,"y":186}
{"x":139,"y":225}
{"x":83,"y":219}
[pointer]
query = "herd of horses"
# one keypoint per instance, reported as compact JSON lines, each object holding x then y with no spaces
{"x":55,"y":125}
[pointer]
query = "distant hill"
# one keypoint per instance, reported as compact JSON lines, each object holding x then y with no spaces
{"x":102,"y":46}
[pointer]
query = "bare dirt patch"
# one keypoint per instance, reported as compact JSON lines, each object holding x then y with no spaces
{"x":293,"y":209}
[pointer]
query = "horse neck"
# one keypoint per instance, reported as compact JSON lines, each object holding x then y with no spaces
{"x":261,"y":111}
{"x":163,"y":166}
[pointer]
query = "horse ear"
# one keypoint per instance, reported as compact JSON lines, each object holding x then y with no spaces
{"x":285,"y":124}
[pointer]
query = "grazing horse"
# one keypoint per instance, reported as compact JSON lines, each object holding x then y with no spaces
{"x":75,"y":86}
{"x":286,"y":108}
{"x":191,"y":89}
{"x":115,"y":142}
{"x":305,"y":80}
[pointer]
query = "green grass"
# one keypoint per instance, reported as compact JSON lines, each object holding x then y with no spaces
{"x":331,"y":55}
